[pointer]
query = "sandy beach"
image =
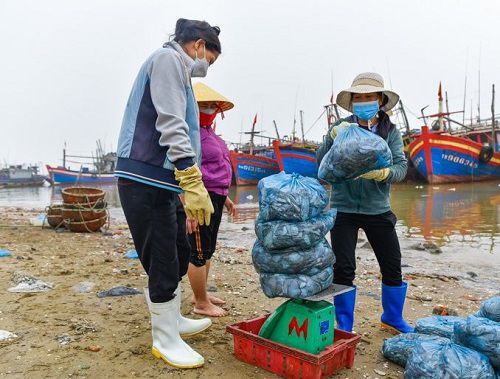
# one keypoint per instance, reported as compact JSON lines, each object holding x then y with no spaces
{"x":63,"y":333}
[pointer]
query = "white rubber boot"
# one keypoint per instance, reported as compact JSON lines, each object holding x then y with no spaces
{"x":167,"y":342}
{"x":188,"y":326}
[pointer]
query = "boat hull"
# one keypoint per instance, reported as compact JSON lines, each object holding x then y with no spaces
{"x":248,"y":169}
{"x":62,"y":176}
{"x":442,"y":158}
{"x":299,"y":160}
{"x":36,"y":181}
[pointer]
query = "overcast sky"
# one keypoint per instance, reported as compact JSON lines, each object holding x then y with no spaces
{"x":67,"y":67}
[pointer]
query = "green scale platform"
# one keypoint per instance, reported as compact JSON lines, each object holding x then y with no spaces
{"x":302,"y":324}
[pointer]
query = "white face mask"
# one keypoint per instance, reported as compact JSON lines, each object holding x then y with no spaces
{"x":208,"y":110}
{"x":200,"y":66}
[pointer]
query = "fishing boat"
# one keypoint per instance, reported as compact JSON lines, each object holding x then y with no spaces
{"x":299,"y":157}
{"x":444,"y":155}
{"x":19,"y":176}
{"x":252,"y":163}
{"x":62,"y":176}
{"x":441,"y":157}
{"x":296,"y":158}
{"x":248,"y":169}
{"x":101,"y":170}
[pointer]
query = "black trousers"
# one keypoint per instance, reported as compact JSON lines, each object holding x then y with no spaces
{"x":381,"y":233}
{"x":204,"y":240}
{"x":157,"y":222}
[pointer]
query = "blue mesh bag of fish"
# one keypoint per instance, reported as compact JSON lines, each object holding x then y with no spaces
{"x":307,"y":262}
{"x":437,"y":325}
{"x":354,"y":152}
{"x":296,"y":286}
{"x":480,"y":334}
{"x":290,"y":197}
{"x":397,"y":349}
{"x":294,"y":236}
{"x":431,"y":360}
{"x":490,"y":309}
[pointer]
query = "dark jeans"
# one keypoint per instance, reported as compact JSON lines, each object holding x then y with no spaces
{"x":382,"y":236}
{"x":157,"y":222}
{"x":204,"y":240}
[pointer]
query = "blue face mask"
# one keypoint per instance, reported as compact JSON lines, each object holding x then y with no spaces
{"x":365,"y":111}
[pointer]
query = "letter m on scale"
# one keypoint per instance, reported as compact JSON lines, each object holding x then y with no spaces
{"x":294,"y":325}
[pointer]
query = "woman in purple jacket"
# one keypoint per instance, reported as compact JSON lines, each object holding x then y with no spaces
{"x":216,"y":175}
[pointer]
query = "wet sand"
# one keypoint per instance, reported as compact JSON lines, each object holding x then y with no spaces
{"x":57,"y":328}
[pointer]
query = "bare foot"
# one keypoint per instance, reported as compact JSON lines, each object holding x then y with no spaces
{"x":208,"y":309}
{"x":213,"y":300}
{"x":216,"y":300}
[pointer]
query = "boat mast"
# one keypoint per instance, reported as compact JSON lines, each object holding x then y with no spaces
{"x":405,"y":119}
{"x":440,"y":107}
{"x":447,"y":109}
{"x":241,"y":131}
{"x":252,"y":134}
{"x":471,"y":113}
{"x":465,"y":92}
{"x":423,"y":115}
{"x":479,"y":95}
{"x":276,"y":129}
{"x":64,"y":155}
{"x":493,"y":136}
{"x":302,"y":127}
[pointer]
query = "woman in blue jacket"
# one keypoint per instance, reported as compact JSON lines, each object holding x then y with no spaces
{"x":158,"y":157}
{"x":364,"y":204}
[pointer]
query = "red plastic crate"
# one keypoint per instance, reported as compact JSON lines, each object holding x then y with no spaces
{"x":289,"y":362}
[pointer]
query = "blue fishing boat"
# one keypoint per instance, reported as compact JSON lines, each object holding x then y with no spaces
{"x":64,"y":176}
{"x":296,"y":158}
{"x":248,"y":169}
{"x":101,"y":172}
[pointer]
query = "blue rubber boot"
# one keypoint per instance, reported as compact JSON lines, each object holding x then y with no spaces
{"x":393,"y":301}
{"x":344,"y":310}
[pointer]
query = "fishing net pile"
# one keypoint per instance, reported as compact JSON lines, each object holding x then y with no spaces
{"x":291,"y":253}
{"x":354,"y":152}
{"x":451,"y":347}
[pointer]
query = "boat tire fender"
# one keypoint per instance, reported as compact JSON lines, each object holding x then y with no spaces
{"x":486,"y":154}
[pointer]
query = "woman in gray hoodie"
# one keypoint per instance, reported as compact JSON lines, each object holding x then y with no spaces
{"x":158,"y":158}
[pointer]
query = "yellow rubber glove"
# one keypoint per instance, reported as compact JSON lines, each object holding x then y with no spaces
{"x":377,"y":175}
{"x":337,"y":128}
{"x":197,"y":203}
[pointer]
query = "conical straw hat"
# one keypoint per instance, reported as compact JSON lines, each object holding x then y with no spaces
{"x":205,"y":94}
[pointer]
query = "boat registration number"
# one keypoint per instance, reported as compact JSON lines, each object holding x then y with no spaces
{"x":252,"y":168}
{"x":459,"y":160}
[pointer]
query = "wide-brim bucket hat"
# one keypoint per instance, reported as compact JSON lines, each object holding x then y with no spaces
{"x":368,"y":82}
{"x":205,"y":94}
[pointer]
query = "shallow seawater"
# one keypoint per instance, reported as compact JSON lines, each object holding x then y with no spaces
{"x":463,"y":220}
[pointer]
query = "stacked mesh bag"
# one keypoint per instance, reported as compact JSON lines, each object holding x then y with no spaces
{"x":451,"y":347}
{"x":291,"y":253}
